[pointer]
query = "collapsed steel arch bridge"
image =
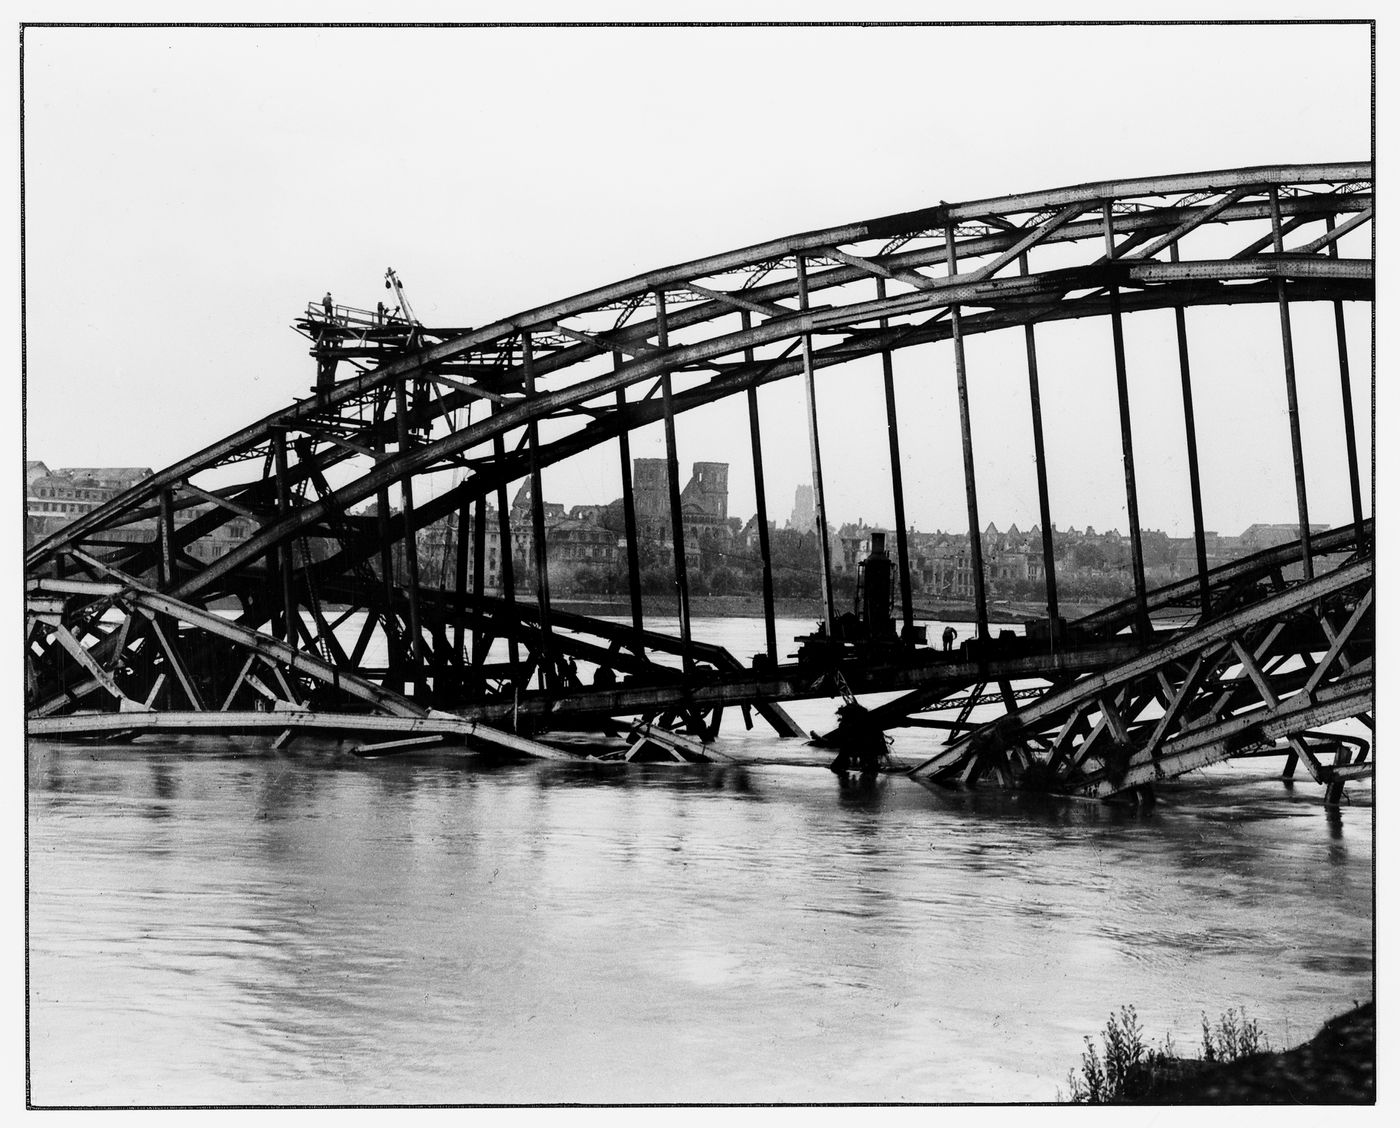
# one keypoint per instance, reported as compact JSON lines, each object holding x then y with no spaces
{"x":128,"y":630}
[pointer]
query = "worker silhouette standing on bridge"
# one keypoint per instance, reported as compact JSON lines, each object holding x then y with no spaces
{"x":948,"y":635}
{"x":328,"y":305}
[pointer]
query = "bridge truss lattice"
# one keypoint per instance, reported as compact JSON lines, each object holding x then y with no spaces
{"x":124,"y":635}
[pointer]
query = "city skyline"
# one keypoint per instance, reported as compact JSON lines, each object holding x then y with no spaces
{"x":83,"y":498}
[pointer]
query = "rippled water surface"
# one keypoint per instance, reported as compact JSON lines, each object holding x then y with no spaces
{"x":214,"y":922}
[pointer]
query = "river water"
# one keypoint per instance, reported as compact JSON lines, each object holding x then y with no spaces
{"x":214,"y":922}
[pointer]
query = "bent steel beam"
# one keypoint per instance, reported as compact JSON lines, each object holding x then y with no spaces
{"x":719,"y":326}
{"x":1230,"y":714}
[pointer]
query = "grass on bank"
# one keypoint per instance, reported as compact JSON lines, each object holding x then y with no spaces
{"x":1131,"y":1070}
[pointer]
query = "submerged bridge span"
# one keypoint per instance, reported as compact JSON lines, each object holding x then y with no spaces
{"x":337,"y":625}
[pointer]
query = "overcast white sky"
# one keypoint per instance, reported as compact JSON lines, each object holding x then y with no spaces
{"x":188,"y":190}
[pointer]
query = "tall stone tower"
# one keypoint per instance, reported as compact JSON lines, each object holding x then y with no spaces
{"x":804,"y":510}
{"x":650,"y":496}
{"x":709,"y":489}
{"x":649,"y":487}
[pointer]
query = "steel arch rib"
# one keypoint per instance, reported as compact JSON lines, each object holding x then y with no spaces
{"x":1148,"y":215}
{"x":1347,"y":189}
{"x":1116,"y":228}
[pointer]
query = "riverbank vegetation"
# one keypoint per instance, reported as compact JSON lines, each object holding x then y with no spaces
{"x":1237,"y":1065}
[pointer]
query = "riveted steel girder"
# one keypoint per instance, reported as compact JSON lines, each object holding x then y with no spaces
{"x":727,"y":323}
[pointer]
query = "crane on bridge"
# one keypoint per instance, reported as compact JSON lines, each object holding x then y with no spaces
{"x":366,"y":338}
{"x":392,"y":282}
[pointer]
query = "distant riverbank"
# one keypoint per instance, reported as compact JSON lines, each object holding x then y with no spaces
{"x":751,"y":606}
